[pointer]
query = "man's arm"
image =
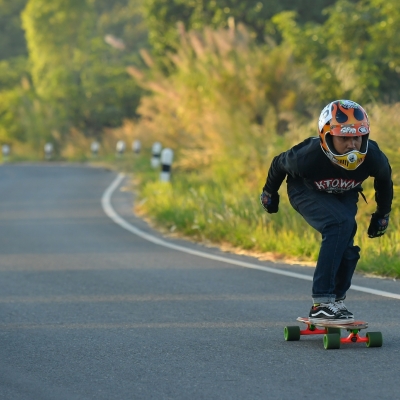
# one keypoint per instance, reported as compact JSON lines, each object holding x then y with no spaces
{"x":269,"y":197}
{"x":276,"y":175}
{"x":383,"y":186}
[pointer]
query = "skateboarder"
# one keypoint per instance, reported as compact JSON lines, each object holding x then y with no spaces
{"x":324,"y":177}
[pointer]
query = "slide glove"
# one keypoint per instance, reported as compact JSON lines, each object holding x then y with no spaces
{"x":270,"y":202}
{"x":378,"y":225}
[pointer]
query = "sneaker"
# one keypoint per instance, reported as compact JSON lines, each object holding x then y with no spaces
{"x":340,"y":305}
{"x":328,"y":313}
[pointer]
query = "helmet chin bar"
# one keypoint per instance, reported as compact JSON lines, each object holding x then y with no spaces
{"x":350,"y":160}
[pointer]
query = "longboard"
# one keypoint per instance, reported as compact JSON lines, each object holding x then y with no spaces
{"x":330,"y":324}
{"x":332,"y":333}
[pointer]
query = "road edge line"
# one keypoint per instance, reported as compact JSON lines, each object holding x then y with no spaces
{"x":114,"y":216}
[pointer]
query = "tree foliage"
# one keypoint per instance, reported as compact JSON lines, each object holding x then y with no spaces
{"x":73,"y":70}
{"x":12,"y":40}
{"x":354,"y":53}
{"x":163,"y":15}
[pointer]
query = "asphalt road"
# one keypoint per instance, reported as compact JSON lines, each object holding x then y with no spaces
{"x":88,"y":310}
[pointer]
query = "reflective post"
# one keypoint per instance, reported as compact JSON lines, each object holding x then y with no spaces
{"x":6,"y":150}
{"x":155,"y":154}
{"x":95,"y":147}
{"x":48,"y":150}
{"x":136,"y":146}
{"x":120,"y":148}
{"x":167,"y":156}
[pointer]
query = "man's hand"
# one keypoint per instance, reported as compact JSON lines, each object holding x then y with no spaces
{"x":270,"y":202}
{"x":378,"y":225}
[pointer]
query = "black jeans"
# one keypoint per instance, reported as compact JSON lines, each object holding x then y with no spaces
{"x":333,"y":215}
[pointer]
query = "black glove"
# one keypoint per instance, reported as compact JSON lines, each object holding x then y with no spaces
{"x":270,"y":202}
{"x":378,"y":225}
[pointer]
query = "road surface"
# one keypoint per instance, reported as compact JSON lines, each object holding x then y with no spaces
{"x":90,"y":310}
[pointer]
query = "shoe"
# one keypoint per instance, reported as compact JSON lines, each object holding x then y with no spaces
{"x":328,"y":313}
{"x":340,"y":305}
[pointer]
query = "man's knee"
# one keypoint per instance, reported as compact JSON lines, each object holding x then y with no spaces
{"x":339,"y":226}
{"x":352,"y":253}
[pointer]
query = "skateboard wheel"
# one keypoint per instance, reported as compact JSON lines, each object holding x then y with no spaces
{"x":375,"y":339}
{"x":332,"y":341}
{"x":333,"y":330}
{"x":291,"y":333}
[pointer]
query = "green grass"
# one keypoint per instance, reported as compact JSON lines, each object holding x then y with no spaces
{"x":201,"y":207}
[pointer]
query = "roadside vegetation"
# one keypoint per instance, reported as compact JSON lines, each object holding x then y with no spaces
{"x":226,"y":90}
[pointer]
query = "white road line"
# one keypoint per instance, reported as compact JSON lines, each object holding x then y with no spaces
{"x":109,"y":210}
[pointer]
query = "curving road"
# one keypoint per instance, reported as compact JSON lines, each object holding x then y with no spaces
{"x":89,"y":310}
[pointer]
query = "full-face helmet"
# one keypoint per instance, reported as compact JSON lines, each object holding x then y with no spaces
{"x":344,"y":118}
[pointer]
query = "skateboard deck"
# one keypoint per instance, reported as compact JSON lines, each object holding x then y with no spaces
{"x":331,"y":324}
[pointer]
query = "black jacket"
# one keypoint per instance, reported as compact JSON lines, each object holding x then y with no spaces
{"x":306,"y":164}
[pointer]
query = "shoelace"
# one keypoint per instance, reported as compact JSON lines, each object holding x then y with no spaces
{"x":340,"y":305}
{"x":331,"y":306}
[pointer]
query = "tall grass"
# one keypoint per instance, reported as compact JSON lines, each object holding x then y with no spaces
{"x":208,"y":209}
{"x":226,"y":111}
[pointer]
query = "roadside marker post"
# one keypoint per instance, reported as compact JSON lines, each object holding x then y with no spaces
{"x":121,"y":146}
{"x":167,"y":156}
{"x":155,"y":154}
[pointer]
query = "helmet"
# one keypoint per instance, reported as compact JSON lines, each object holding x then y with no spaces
{"x":344,"y":118}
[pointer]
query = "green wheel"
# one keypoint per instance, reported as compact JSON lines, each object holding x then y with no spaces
{"x":334,"y":330}
{"x":292,"y":333}
{"x":375,"y":339}
{"x":332,"y":341}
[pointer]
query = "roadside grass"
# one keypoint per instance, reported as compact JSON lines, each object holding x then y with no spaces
{"x":207,"y":210}
{"x":226,"y":110}
{"x":217,"y":206}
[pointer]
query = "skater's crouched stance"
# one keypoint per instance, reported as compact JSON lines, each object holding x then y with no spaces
{"x":324,"y":177}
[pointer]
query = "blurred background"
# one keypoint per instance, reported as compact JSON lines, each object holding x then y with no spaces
{"x":226,"y":84}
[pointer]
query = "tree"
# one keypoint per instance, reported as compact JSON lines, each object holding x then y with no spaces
{"x":163,"y":15}
{"x":73,"y":70}
{"x":12,"y":40}
{"x":356,"y":56}
{"x":13,"y":51}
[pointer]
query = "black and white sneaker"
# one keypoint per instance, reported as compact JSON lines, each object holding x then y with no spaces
{"x":341,"y":306}
{"x":328,"y":313}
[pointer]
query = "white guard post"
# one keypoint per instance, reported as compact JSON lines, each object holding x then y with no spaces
{"x":48,"y":150}
{"x":95,"y":147}
{"x":155,"y":154}
{"x":167,"y":156}
{"x":6,"y":150}
{"x":136,"y":146}
{"x":120,"y":148}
